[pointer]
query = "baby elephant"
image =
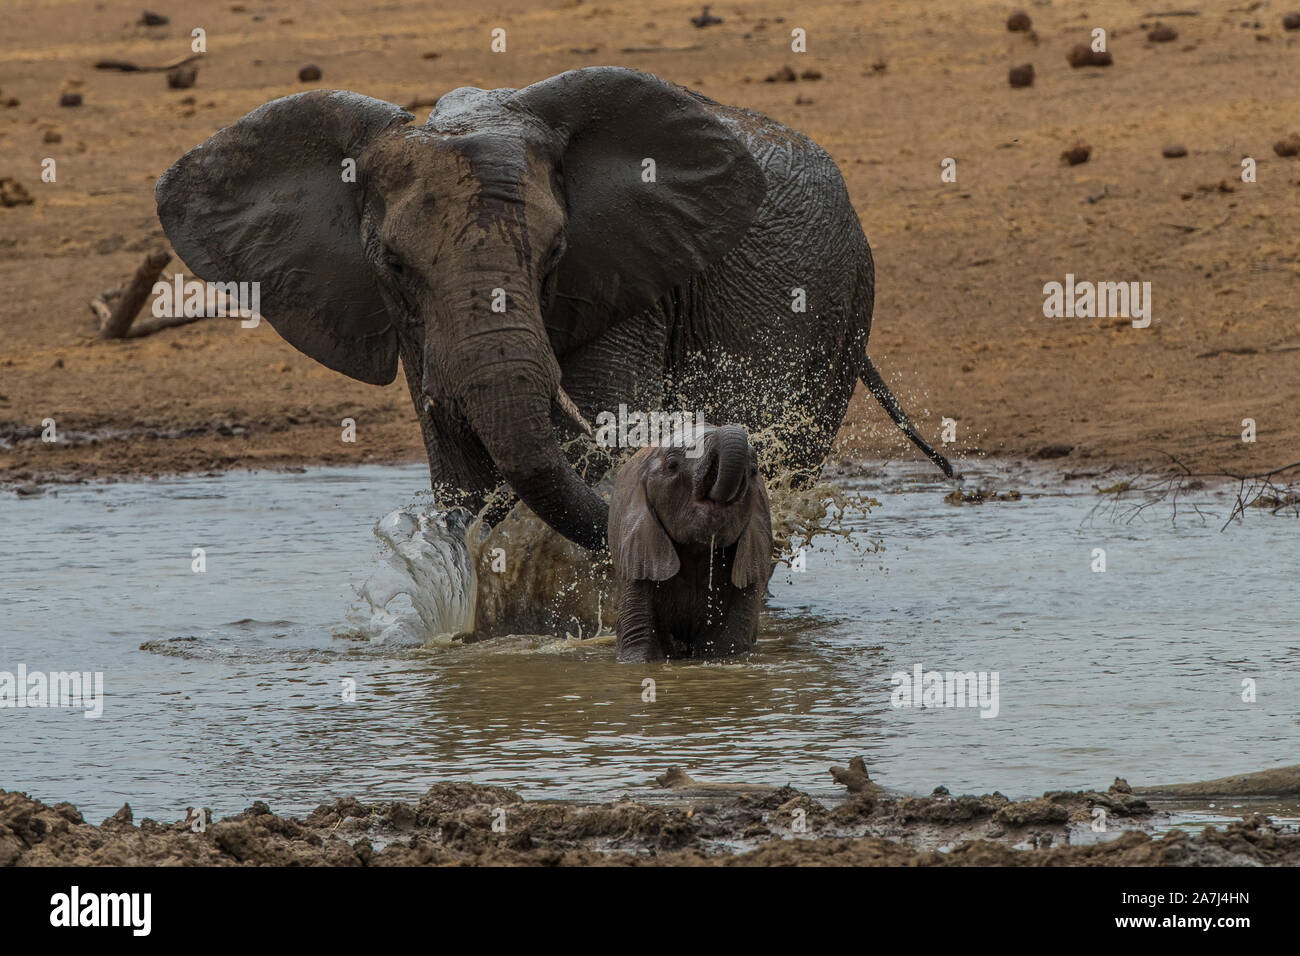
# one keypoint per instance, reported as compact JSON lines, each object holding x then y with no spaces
{"x":690,"y":534}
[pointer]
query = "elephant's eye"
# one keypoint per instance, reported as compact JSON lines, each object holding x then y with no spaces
{"x":555,"y":254}
{"x":672,"y":466}
{"x":393,"y":262}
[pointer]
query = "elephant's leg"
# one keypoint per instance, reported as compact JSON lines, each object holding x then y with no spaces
{"x":823,"y":423}
{"x":638,"y":637}
{"x":461,"y":472}
{"x":460,"y":469}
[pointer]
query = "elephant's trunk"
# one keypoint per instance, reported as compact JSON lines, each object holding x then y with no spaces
{"x":507,"y":380}
{"x":728,"y":459}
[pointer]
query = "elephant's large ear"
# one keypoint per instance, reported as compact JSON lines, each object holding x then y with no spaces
{"x":753,"y":562}
{"x":632,"y":237}
{"x":638,"y":544}
{"x":266,"y":201}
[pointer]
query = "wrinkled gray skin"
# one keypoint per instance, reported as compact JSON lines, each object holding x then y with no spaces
{"x":615,"y":289}
{"x":690,"y":535}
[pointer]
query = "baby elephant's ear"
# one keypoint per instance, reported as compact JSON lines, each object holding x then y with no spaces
{"x":638,"y":544}
{"x":754,"y":549}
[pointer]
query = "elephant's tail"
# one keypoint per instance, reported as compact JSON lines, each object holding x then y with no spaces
{"x":871,"y":378}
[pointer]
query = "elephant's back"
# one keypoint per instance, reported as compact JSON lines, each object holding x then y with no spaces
{"x":801,"y":177}
{"x":805,"y":233}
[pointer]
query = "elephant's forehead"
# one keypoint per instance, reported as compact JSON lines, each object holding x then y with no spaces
{"x":468,"y":108}
{"x":423,"y":154}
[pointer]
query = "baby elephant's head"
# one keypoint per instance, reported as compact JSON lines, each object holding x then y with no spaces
{"x":703,"y":491}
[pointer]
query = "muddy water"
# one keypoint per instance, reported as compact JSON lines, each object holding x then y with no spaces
{"x":227,"y":686}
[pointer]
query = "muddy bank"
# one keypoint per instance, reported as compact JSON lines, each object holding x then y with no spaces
{"x":682,"y":822}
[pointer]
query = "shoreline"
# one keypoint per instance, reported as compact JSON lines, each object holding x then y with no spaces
{"x":987,"y":480}
{"x":90,"y":459}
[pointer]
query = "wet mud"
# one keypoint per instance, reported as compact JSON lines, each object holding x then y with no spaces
{"x":680,"y":822}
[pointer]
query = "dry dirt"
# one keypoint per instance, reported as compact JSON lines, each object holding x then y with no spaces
{"x":699,"y":825}
{"x":903,"y":85}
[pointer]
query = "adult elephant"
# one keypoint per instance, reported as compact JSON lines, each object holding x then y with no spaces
{"x":538,"y":256}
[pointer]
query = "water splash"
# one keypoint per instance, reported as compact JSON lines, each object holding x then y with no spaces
{"x":429,"y":563}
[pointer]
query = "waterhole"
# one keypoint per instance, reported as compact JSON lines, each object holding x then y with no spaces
{"x":232,"y":684}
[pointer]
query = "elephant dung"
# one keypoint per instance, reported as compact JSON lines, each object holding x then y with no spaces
{"x":1289,"y":146}
{"x":182,"y":78}
{"x":1083,"y":55}
{"x":1077,"y":154}
{"x":1022,"y":76}
{"x":13,"y":193}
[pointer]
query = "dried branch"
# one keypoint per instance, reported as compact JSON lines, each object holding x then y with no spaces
{"x":1147,"y":489}
{"x":133,"y":296}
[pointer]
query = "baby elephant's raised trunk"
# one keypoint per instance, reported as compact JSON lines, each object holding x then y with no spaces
{"x":720,"y":477}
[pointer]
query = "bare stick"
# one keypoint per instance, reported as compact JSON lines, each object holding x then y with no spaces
{"x":127,"y":66}
{"x":135,"y":294}
{"x":101,"y":310}
{"x":151,"y":326}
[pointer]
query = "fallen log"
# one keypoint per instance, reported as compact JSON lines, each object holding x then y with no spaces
{"x":133,"y":296}
{"x":116,"y":309}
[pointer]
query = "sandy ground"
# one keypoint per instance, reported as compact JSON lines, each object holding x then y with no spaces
{"x":961,"y":266}
{"x":688,"y":823}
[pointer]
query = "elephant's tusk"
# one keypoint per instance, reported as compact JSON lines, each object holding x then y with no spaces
{"x":569,"y":408}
